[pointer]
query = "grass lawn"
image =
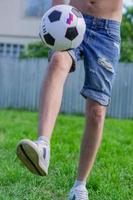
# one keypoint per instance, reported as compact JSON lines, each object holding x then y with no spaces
{"x":111,"y":177}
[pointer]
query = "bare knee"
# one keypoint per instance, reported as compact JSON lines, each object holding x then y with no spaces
{"x":96,"y":113}
{"x":60,"y":61}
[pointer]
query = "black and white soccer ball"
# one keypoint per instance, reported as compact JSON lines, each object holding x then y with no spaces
{"x":62,"y":27}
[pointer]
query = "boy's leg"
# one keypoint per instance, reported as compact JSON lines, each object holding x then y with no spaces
{"x":51,"y":92}
{"x":36,"y":155}
{"x":95,"y":115}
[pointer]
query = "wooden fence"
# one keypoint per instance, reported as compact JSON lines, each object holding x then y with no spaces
{"x":20,"y":82}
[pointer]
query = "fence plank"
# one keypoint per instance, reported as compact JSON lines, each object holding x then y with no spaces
{"x":20,"y":82}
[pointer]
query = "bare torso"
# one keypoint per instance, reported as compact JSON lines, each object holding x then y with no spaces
{"x":108,"y":9}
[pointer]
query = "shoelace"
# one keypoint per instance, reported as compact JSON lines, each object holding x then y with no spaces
{"x":80,"y":195}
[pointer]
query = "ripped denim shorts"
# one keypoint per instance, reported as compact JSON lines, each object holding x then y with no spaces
{"x":100,"y":51}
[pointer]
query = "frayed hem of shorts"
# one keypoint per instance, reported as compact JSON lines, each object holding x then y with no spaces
{"x":88,"y":93}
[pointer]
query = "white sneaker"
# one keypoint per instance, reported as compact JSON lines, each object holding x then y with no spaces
{"x":78,"y":193}
{"x":34,"y":155}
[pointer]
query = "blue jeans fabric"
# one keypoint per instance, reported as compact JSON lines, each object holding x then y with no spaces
{"x":100,"y":51}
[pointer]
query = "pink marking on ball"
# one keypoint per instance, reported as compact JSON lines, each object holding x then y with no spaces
{"x":70,"y":19}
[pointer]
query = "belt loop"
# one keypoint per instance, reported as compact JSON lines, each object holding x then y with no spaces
{"x":106,"y":24}
{"x":94,"y":21}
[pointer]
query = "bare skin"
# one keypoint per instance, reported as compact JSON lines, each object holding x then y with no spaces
{"x":52,"y":90}
{"x":100,"y":8}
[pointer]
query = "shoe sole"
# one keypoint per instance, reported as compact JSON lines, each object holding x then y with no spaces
{"x":28,"y":153}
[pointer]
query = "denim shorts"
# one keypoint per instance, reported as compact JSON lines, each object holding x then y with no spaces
{"x":100,"y":51}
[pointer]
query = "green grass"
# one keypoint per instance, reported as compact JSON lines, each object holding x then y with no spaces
{"x":111,"y":177}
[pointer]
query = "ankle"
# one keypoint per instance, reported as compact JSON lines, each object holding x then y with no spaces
{"x":44,"y":139}
{"x":79,"y":183}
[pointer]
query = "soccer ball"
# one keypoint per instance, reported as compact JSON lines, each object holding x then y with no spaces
{"x":62,"y":27}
